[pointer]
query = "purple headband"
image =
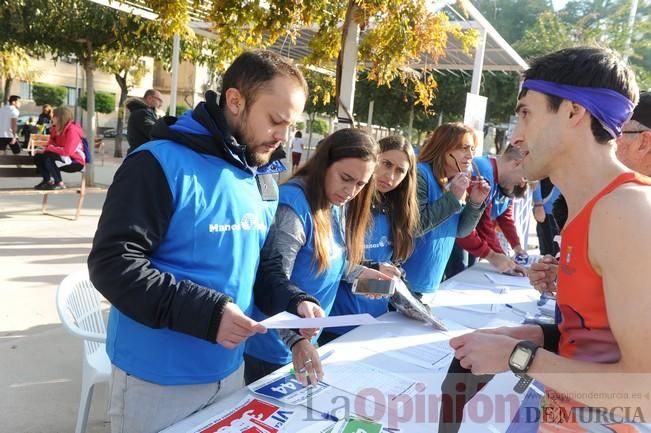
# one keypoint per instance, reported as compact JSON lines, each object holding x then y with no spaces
{"x":610,"y":108}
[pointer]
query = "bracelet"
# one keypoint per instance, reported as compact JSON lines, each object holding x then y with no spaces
{"x":473,"y":204}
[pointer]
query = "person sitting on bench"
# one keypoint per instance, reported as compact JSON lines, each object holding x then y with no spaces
{"x":64,"y":151}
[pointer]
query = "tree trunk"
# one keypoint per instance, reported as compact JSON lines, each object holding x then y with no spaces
{"x":91,"y":126}
{"x":124,"y":90}
{"x":8,"y":82}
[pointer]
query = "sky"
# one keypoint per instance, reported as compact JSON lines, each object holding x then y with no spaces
{"x":558,"y":4}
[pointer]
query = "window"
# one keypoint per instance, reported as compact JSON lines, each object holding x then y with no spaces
{"x":72,"y":96}
{"x":25,"y":91}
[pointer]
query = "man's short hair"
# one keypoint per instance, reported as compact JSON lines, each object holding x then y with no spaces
{"x":150,"y":92}
{"x":642,"y":112}
{"x":584,"y":67}
{"x":253,"y":70}
{"x":13,"y":98}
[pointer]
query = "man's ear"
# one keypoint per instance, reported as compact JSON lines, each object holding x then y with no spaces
{"x":644,"y":143}
{"x":576,"y":112}
{"x":234,"y":101}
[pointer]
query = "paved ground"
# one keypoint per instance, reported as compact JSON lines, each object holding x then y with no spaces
{"x":40,"y":364}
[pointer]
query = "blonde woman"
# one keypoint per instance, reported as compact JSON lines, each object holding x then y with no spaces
{"x":64,"y":151}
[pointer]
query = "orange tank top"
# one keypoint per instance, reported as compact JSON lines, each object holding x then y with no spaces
{"x":585,"y":330}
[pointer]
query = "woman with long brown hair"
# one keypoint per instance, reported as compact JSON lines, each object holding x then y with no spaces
{"x":317,"y":238}
{"x":446,"y":209}
{"x":64,"y":151}
{"x":393,"y":232}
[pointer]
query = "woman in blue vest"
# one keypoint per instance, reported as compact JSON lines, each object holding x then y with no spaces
{"x":317,"y":238}
{"x":446,"y":209}
{"x":393,"y":232}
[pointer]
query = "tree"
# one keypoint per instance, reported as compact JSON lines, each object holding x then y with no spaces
{"x":512,"y":18}
{"x":49,"y":94}
{"x":128,"y":69}
{"x":401,"y":31}
{"x":104,"y":102}
{"x":69,"y":27}
{"x":14,"y":65}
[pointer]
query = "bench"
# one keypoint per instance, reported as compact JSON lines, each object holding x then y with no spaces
{"x":21,"y":166}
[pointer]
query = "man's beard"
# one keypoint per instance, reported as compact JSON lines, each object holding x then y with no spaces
{"x":253,"y":159}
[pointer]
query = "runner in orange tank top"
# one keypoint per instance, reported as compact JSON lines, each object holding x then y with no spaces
{"x":596,"y":364}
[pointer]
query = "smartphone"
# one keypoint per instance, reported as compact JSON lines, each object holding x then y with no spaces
{"x":365,"y":286}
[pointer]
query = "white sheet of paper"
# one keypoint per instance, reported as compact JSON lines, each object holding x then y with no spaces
{"x":481,"y":299}
{"x":287,"y":320}
{"x":507,"y":280}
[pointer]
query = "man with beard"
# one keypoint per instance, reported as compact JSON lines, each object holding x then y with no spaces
{"x":178,"y":242}
{"x":505,"y":176}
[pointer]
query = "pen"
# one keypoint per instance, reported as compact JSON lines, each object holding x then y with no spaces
{"x":328,"y":416}
{"x":517,"y":310}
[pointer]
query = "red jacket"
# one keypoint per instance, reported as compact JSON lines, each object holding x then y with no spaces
{"x":68,"y":143}
{"x":484,"y":238}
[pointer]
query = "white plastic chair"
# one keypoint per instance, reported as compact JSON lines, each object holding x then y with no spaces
{"x":78,"y":305}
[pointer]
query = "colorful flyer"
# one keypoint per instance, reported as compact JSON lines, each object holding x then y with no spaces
{"x":250,"y":416}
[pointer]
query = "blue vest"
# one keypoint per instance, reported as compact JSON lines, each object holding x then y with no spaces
{"x":269,"y":347}
{"x":378,"y":247}
{"x":424,"y":269}
{"x":499,"y":200}
{"x":217,"y":229}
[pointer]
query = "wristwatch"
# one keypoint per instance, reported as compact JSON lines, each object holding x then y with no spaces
{"x":520,"y":360}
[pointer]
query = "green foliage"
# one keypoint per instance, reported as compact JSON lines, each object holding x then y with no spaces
{"x":180,"y":109}
{"x":512,"y":18}
{"x":321,"y":99}
{"x":402,"y":31}
{"x":49,"y":94}
{"x":319,"y":126}
{"x":104,"y":102}
{"x":300,"y":126}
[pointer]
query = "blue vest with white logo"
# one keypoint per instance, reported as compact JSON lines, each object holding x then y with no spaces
{"x":425,"y":267}
{"x":270,"y":347}
{"x":377,"y":248}
{"x":499,"y":200}
{"x":217,"y":229}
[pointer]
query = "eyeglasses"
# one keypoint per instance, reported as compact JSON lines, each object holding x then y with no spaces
{"x":639,"y":131}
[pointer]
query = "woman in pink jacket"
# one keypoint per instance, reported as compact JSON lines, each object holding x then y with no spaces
{"x":64,"y":151}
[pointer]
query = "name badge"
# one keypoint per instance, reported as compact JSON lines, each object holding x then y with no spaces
{"x":266,"y":187}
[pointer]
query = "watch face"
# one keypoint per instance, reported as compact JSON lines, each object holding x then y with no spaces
{"x":520,"y":358}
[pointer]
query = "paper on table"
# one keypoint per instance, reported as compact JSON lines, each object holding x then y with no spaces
{"x":507,"y":280}
{"x":287,"y":320}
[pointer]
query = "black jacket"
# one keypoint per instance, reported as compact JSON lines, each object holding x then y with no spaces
{"x":141,"y":120}
{"x":134,"y":222}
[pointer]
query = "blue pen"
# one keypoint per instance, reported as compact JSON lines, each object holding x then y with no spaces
{"x":517,"y":310}
{"x":329,"y":416}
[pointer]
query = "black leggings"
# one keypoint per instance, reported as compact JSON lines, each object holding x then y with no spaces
{"x":256,"y":368}
{"x":46,"y":166}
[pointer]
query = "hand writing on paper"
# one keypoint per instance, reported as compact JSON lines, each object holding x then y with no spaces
{"x":483,"y":353}
{"x":307,"y":364}
{"x":309,"y":310}
{"x":504,"y":264}
{"x":235,"y":327}
{"x":543,"y":274}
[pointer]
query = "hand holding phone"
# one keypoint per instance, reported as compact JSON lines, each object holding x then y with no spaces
{"x":367,"y":286}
